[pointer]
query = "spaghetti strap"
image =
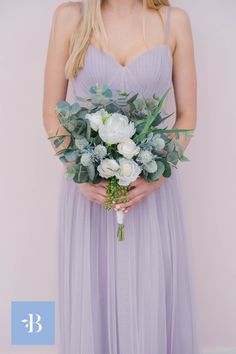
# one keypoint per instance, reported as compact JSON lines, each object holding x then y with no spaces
{"x":82,"y":6}
{"x":167,"y":28}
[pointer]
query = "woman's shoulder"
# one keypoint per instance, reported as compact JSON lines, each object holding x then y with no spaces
{"x":66,"y":16}
{"x":68,"y":7}
{"x":179,"y":21}
{"x":68,"y":11}
{"x":178,"y":14}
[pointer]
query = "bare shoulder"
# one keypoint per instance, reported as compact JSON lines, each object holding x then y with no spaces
{"x":66,"y":15}
{"x":180,"y":17}
{"x":68,"y":9}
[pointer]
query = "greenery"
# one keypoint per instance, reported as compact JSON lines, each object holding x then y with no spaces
{"x":90,"y":149}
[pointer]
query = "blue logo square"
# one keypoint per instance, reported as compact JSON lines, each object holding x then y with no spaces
{"x":33,"y":322}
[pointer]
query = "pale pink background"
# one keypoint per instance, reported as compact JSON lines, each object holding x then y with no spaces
{"x":30,"y":174}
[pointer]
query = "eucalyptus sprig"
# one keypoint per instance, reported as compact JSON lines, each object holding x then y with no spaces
{"x":118,"y":137}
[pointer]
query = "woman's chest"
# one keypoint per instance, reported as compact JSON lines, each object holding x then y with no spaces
{"x":148,"y":73}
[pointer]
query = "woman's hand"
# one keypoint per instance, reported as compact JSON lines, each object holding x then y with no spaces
{"x":94,"y":192}
{"x":139,"y":190}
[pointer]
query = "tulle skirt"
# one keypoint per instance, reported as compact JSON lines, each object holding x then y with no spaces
{"x":135,"y":296}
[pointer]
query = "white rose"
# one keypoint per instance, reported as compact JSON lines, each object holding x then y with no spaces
{"x":108,"y":168}
{"x":116,"y":129}
{"x":128,"y":171}
{"x":95,"y":118}
{"x":128,"y":148}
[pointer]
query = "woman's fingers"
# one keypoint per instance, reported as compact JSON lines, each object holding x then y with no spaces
{"x":130,"y":203}
{"x":101,"y":191}
{"x":102,"y":183}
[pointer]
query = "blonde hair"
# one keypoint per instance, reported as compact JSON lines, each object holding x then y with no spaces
{"x":91,"y":22}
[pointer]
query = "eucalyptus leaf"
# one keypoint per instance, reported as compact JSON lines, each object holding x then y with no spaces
{"x":173,"y":157}
{"x":57,"y":142}
{"x":107,"y":93}
{"x":170,"y":146}
{"x":82,"y":174}
{"x":74,"y":108}
{"x":88,"y":130}
{"x":167,"y":172}
{"x":156,"y":175}
{"x":71,"y":155}
{"x":91,"y":172}
{"x":183,"y":158}
{"x":62,"y":159}
{"x":93,"y":89}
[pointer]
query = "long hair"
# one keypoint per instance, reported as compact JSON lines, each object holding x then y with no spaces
{"x":91,"y":22}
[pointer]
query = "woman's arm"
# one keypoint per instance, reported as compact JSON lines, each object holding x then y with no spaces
{"x":65,"y":18}
{"x":184,"y":82}
{"x":184,"y":74}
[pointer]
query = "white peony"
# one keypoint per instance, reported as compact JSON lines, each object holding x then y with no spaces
{"x":116,"y":129}
{"x":128,"y":171}
{"x":108,"y":168}
{"x":128,"y":148}
{"x":95,"y":118}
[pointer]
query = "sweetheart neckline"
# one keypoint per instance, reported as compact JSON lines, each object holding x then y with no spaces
{"x":132,"y":61}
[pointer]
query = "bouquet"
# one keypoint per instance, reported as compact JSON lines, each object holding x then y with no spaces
{"x":118,"y":139}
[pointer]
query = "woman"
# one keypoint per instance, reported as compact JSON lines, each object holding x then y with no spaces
{"x":134,"y":296}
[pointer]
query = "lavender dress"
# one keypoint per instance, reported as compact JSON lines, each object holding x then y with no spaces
{"x":134,"y":296}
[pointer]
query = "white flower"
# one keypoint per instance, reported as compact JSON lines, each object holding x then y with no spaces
{"x":86,"y":159}
{"x":128,"y":171}
{"x":128,"y":148}
{"x":151,"y":166}
{"x":145,"y":156}
{"x":100,"y":151}
{"x":108,"y":168}
{"x":116,"y":129}
{"x":158,"y":142}
{"x":95,"y":118}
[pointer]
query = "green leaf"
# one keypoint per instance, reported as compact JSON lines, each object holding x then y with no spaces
{"x":91,"y":172}
{"x":71,"y":155}
{"x":133,"y":98}
{"x":88,"y":130}
{"x":173,"y":157}
{"x":167,"y":172}
{"x":93,"y":89}
{"x":74,"y":108}
{"x":156,"y":175}
{"x":170,"y":146}
{"x":81,"y":175}
{"x":57,"y":142}
{"x":183,"y":158}
{"x":162,"y":99}
{"x":107,"y":93}
{"x":63,"y":159}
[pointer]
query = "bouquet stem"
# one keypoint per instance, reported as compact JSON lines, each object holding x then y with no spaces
{"x":121,"y":227}
{"x":114,"y":192}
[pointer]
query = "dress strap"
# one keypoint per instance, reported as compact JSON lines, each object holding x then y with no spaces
{"x":167,"y":27}
{"x":82,"y":6}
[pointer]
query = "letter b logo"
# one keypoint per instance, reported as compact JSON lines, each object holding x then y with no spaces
{"x":33,"y":322}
